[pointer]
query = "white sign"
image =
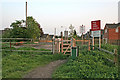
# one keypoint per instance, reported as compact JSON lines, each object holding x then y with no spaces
{"x":96,"y":33}
{"x":82,"y":29}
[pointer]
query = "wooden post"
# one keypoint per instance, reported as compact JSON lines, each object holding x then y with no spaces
{"x":115,"y":56}
{"x":53,"y":46}
{"x":67,"y":38}
{"x":89,"y":45}
{"x":99,"y":42}
{"x":59,"y":46}
{"x":61,"y":42}
{"x":10,"y":43}
{"x":93,"y":42}
{"x":71,"y":42}
{"x":26,"y":13}
{"x":74,"y":42}
{"x":82,"y":39}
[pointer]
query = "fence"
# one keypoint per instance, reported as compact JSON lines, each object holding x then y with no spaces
{"x":44,"y":45}
{"x":114,"y":42}
{"x":64,"y":46}
{"x":115,"y":54}
{"x":104,"y":41}
{"x":53,"y":46}
{"x":83,"y":44}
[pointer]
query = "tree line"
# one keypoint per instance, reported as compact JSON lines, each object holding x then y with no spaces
{"x":19,"y":29}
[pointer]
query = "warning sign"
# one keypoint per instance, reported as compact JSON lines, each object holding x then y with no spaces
{"x":95,"y":25}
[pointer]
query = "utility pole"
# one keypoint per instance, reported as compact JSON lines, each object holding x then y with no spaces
{"x":26,"y":13}
{"x":55,"y":32}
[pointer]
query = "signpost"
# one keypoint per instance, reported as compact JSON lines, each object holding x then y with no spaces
{"x":96,"y":31}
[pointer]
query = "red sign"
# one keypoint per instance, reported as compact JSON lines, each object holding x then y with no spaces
{"x":95,"y":25}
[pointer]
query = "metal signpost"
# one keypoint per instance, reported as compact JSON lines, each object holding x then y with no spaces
{"x":96,"y":31}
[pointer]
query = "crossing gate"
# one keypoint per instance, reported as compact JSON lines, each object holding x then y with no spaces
{"x":62,"y":46}
{"x":65,"y":46}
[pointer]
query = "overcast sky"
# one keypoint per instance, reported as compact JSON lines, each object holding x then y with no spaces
{"x":56,"y":13}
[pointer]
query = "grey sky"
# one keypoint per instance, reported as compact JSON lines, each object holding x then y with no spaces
{"x":119,"y":12}
{"x":56,"y":13}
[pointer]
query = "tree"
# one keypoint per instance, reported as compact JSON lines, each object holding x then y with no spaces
{"x":19,"y":30}
{"x":7,"y":34}
{"x":33,"y":28}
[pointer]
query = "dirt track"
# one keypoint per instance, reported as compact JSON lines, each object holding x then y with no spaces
{"x":45,"y":71}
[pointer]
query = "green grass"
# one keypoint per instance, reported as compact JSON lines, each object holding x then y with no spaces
{"x":17,"y":64}
{"x":89,"y":64}
{"x":0,"y":66}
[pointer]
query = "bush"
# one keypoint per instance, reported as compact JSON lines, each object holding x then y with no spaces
{"x":92,"y":64}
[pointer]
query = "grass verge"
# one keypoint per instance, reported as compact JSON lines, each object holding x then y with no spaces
{"x":17,"y":64}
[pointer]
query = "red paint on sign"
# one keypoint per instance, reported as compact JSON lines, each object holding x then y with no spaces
{"x":95,"y":25}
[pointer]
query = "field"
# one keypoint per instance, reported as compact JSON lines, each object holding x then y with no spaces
{"x":89,"y":64}
{"x":17,"y":64}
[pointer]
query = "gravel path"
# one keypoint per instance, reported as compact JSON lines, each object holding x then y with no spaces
{"x":45,"y":71}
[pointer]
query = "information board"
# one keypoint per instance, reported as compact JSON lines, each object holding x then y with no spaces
{"x":95,"y":25}
{"x":96,"y":33}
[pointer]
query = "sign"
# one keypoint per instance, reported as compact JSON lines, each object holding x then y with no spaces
{"x":96,"y":33}
{"x":82,"y":29}
{"x":95,"y":25}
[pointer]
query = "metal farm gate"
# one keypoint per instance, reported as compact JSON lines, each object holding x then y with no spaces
{"x":39,"y":45}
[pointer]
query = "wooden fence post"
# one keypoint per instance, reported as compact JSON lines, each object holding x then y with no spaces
{"x":61,"y":42}
{"x":115,"y":56}
{"x":99,"y":42}
{"x":53,"y":46}
{"x":93,"y":42}
{"x":71,"y":42}
{"x":82,"y":39}
{"x":10,"y":43}
{"x":74,"y":42}
{"x":59,"y":46}
{"x":89,"y":45}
